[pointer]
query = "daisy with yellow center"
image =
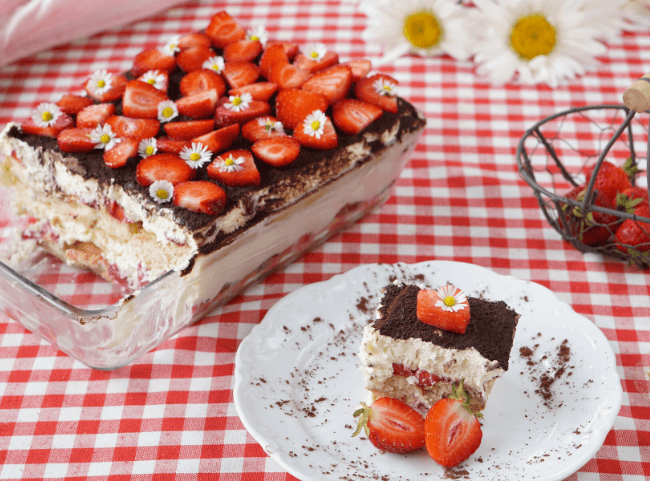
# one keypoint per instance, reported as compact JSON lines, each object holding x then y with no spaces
{"x":100,"y":82}
{"x":421,"y":27}
{"x":46,"y":114}
{"x":258,"y":33}
{"x":314,"y":51}
{"x":161,"y":191}
{"x":103,"y":137}
{"x":230,"y":163}
{"x":237,"y":103}
{"x":196,"y":156}
{"x":452,"y":299}
{"x":535,"y":41}
{"x":147,"y":147}
{"x":271,"y":126}
{"x":385,"y":87}
{"x":215,"y":63}
{"x":314,"y":124}
{"x":155,"y":78}
{"x":171,"y":47}
{"x":167,"y":111}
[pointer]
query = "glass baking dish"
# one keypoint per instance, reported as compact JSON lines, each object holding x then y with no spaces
{"x":105,"y":327}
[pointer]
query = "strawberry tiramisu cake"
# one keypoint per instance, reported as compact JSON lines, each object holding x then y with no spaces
{"x":426,"y":342}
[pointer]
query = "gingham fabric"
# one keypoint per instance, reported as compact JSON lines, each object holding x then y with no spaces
{"x":170,"y":415}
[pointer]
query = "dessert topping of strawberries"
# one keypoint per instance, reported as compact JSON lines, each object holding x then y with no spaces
{"x":235,"y":168}
{"x":452,"y":431}
{"x":446,"y":308}
{"x":391,"y":425}
{"x":200,"y":196}
{"x":316,"y":132}
{"x":47,"y":120}
{"x":196,"y":155}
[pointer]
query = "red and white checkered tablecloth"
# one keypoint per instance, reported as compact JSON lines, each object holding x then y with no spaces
{"x":170,"y":415}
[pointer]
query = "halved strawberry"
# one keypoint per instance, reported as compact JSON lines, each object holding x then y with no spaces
{"x":291,"y":49}
{"x":198,"y":106}
{"x":446,"y":308}
{"x":224,"y":116}
{"x":200,"y":81}
{"x":117,"y":211}
{"x":365,"y":90}
{"x":192,"y":58}
{"x":75,"y":140}
{"x":329,"y":59}
{"x":164,"y":82}
{"x":152,"y":59}
{"x":274,"y":54}
{"x":327,"y":141}
{"x":293,"y":105}
{"x":118,"y":84}
{"x":219,"y":140}
{"x":240,"y":173}
{"x":129,"y":127}
{"x":360,"y":68}
{"x":242,"y":51}
{"x":62,"y":123}
{"x":277,"y":151}
{"x":94,"y":115}
{"x":169,"y":167}
{"x":261,"y":128}
{"x":189,"y":129}
{"x":72,"y":104}
{"x":258,"y":90}
{"x":141,"y":100}
{"x":352,"y":115}
{"x":172,"y":146}
{"x":238,"y":74}
{"x":288,"y":76}
{"x":334,"y":82}
{"x":200,"y":196}
{"x":223,"y":29}
{"x":452,"y":431}
{"x":120,"y":153}
{"x":391,"y":425}
{"x":194,"y":39}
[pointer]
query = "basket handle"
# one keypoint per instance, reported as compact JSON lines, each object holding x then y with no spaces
{"x":637,"y":97}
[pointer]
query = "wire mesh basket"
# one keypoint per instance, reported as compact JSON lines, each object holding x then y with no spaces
{"x":561,"y":158}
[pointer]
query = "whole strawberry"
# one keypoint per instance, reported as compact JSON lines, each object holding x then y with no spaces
{"x":592,"y":228}
{"x":611,"y":179}
{"x":391,"y":425}
{"x":633,"y":235}
{"x":452,"y":431}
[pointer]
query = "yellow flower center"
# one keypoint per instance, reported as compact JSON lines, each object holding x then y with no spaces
{"x":236,"y":101}
{"x":315,"y":125}
{"x":422,"y":29}
{"x":255,"y":37}
{"x":168,"y":112}
{"x":532,"y":36}
{"x":162,"y":193}
{"x":149,"y":150}
{"x":449,"y":301}
{"x":101,"y":83}
{"x":215,"y":67}
{"x":229,"y":161}
{"x":314,"y":54}
{"x":195,"y":156}
{"x":172,"y":46}
{"x":151,"y":81}
{"x":47,"y":116}
{"x":105,"y":139}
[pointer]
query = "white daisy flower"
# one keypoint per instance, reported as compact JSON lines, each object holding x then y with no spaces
{"x":230,"y":163}
{"x":314,"y":51}
{"x":155,"y":78}
{"x":314,"y":124}
{"x":196,"y":156}
{"x":104,"y":138}
{"x":167,"y":110}
{"x":452,"y":299}
{"x":171,"y":47}
{"x":421,"y":27}
{"x":46,"y":114}
{"x":237,"y":103}
{"x":258,"y":33}
{"x":385,"y":87}
{"x":539,"y":41}
{"x":215,"y":63}
{"x":162,"y":191}
{"x":147,"y":147}
{"x":100,"y":81}
{"x":271,"y":126}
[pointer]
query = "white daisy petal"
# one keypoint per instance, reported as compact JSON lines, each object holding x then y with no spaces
{"x":452,"y":299}
{"x":147,"y":147}
{"x":46,"y":114}
{"x":230,"y":163}
{"x":167,"y":111}
{"x":100,"y":81}
{"x":314,"y":51}
{"x":258,"y":33}
{"x":314,"y":124}
{"x":196,"y":155}
{"x":171,"y":47}
{"x":161,"y":191}
{"x":155,"y":78}
{"x":270,"y":125}
{"x":216,"y":63}
{"x":238,"y":103}
{"x":104,"y":138}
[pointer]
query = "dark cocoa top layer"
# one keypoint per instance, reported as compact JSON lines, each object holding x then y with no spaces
{"x":491,"y":328}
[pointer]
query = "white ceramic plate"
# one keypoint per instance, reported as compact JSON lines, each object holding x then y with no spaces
{"x":297,"y":382}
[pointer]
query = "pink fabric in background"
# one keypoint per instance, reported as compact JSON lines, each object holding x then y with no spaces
{"x":28,"y":26}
